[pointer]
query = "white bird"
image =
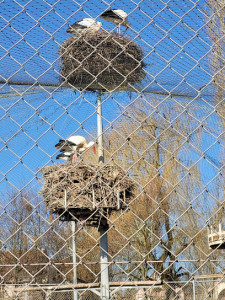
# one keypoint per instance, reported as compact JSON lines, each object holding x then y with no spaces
{"x":87,"y":25}
{"x":73,"y":146}
{"x":116,"y":16}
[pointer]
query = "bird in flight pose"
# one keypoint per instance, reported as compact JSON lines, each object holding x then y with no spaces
{"x":116,"y":16}
{"x":72,"y":147}
{"x":87,"y":25}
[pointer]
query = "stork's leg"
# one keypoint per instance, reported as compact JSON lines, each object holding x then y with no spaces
{"x":74,"y":159}
{"x":125,"y":30}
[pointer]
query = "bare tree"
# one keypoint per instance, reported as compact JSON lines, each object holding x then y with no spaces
{"x":163,"y":225}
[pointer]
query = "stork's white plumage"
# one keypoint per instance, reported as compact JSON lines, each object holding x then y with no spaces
{"x":72,"y":147}
{"x":87,"y":25}
{"x":116,"y":16}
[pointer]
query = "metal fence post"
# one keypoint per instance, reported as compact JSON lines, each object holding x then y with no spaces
{"x":25,"y":296}
{"x":103,"y":226}
{"x":73,"y":225}
{"x":193,"y":281}
{"x":100,"y":129}
{"x":104,"y":261}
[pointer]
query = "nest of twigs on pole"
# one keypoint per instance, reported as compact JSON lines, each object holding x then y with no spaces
{"x":101,"y":61}
{"x":85,"y":191}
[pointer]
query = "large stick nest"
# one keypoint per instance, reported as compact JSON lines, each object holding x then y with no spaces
{"x":89,"y":188}
{"x":101,"y":61}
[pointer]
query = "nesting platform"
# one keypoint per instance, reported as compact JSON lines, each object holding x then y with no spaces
{"x":86,"y":191}
{"x":102,"y":61}
{"x":216,"y":239}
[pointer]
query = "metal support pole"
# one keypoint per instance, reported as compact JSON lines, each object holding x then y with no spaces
{"x":104,"y":261}
{"x":103,"y":226}
{"x":193,"y":289}
{"x":73,"y":226}
{"x":100,"y":129}
{"x":25,"y":296}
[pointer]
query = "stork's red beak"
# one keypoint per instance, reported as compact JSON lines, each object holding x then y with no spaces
{"x":94,"y":150}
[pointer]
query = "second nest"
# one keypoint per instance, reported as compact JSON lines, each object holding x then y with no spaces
{"x":87,"y":187}
{"x":101,"y":61}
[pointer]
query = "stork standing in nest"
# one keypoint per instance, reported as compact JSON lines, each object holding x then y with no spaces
{"x":72,"y":147}
{"x":116,"y":16}
{"x":87,"y":25}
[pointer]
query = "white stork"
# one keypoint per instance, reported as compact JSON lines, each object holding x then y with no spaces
{"x":72,"y":147}
{"x":116,"y":16}
{"x":87,"y":25}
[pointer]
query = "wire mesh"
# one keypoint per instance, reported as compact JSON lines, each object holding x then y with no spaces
{"x":148,"y":209}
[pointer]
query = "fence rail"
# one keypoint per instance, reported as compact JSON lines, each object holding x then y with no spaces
{"x":192,"y":289}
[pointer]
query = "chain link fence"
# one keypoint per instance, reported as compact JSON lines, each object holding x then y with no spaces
{"x":141,"y":82}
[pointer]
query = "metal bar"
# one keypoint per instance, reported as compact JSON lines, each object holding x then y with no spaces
{"x":104,"y":262}
{"x":118,"y":199}
{"x":123,"y":262}
{"x":41,"y":286}
{"x":25,"y":296}
{"x":84,"y":85}
{"x":65,"y":199}
{"x":73,"y":226}
{"x":193,"y":289}
{"x":100,"y":129}
{"x":93,"y":198}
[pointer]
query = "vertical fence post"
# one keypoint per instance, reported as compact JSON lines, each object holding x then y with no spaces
{"x":73,"y":226}
{"x":25,"y":296}
{"x":104,"y":261}
{"x":193,"y":289}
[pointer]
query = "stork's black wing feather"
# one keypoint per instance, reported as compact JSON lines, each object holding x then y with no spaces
{"x":60,"y":144}
{"x":63,"y":143}
{"x":77,"y":25}
{"x":110,"y":14}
